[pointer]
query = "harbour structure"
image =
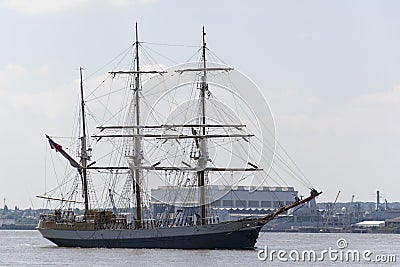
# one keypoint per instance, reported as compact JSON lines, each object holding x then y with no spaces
{"x":230,"y":202}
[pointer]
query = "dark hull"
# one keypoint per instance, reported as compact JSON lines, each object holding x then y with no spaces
{"x":244,"y":239}
{"x":240,"y":234}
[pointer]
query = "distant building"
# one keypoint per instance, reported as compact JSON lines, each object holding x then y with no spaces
{"x":4,"y":221}
{"x":227,"y":202}
{"x":383,"y":214}
{"x":369,"y":224}
{"x":394,"y":222}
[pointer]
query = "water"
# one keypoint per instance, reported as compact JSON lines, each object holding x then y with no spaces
{"x":28,"y":248}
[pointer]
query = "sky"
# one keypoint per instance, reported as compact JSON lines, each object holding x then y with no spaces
{"x":330,"y":72}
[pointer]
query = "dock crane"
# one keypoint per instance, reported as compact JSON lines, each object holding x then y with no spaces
{"x":331,"y":210}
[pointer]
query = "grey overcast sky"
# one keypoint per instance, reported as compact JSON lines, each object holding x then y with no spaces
{"x":329,"y":69}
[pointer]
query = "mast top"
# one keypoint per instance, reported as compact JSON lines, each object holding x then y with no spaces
{"x":204,"y":37}
{"x":136,"y":32}
{"x":204,"y":49}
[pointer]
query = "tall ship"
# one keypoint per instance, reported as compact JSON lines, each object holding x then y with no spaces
{"x":181,"y":127}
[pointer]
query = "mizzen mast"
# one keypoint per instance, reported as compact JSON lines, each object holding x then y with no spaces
{"x":84,"y":154}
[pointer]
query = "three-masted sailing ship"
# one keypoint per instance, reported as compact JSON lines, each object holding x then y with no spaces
{"x":190,"y":225}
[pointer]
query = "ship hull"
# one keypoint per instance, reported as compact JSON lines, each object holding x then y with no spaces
{"x":232,"y":235}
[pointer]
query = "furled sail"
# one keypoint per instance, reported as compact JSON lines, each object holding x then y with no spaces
{"x":58,"y":148}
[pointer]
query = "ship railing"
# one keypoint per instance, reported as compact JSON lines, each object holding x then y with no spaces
{"x":80,"y":218}
{"x":186,"y":221}
{"x":120,"y":217}
{"x":148,"y":223}
{"x":58,"y":218}
{"x":67,"y":216}
{"x":47,"y":217}
{"x":212,"y":220}
{"x":89,"y":218}
{"x":116,"y":223}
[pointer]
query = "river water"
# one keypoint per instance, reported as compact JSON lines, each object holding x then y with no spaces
{"x":28,"y":248}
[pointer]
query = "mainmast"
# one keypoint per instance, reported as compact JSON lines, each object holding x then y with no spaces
{"x":137,"y":156}
{"x":84,"y":154}
{"x":203,"y":143}
{"x":136,"y":166}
